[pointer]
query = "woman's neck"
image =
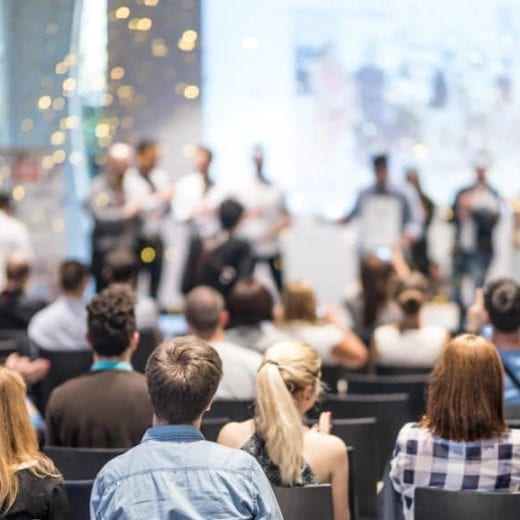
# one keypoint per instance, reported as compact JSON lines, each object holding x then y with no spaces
{"x":410,"y":322}
{"x":506,"y":340}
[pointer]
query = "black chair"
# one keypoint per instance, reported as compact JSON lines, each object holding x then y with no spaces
{"x":78,"y":492}
{"x":330,"y":376}
{"x":361,"y":434}
{"x":23,"y":344}
{"x":148,"y":340}
{"x":305,"y":502}
{"x":353,"y":504}
{"x":7,"y":347}
{"x":235,"y":410}
{"x":438,"y":504}
{"x":398,"y":370}
{"x":65,"y":365}
{"x":390,"y":410}
{"x":414,"y":385}
{"x":512,"y":412}
{"x":211,"y":427}
{"x":80,"y":463}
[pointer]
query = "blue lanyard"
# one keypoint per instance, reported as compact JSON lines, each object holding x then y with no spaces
{"x":111,"y":365}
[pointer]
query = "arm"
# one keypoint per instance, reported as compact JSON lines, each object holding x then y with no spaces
{"x":191,"y":265}
{"x":246,"y":262}
{"x":266,"y":504}
{"x":351,"y":352}
{"x":51,"y":430}
{"x":59,"y":508}
{"x":339,"y":481}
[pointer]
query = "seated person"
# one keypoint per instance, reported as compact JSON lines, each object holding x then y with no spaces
{"x":222,"y":260}
{"x":206,"y":317}
{"x":30,"y":485}
{"x":287,"y":386}
{"x":120,"y":266}
{"x":409,"y":343}
{"x":16,"y":308}
{"x":175,"y":472}
{"x":335,"y":344}
{"x":108,"y":407}
{"x":462,"y":442}
{"x":62,"y":325}
{"x":250,"y":307}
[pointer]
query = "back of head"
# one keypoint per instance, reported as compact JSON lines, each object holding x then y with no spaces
{"x":73,"y":276}
{"x":183,"y":375}
{"x":465,"y":393}
{"x":502,"y":303}
{"x":120,"y":266}
{"x":249,"y":303}
{"x":230,"y":212}
{"x":288,"y":367}
{"x":411,"y":293}
{"x":17,"y":438}
{"x":5,"y":201}
{"x":111,"y":320}
{"x":299,"y":302}
{"x":202,"y":308}
{"x":17,"y":269}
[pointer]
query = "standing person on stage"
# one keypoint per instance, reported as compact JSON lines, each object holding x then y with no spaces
{"x":266,"y":218}
{"x":152,"y":190}
{"x":115,"y":216}
{"x":197,"y":198}
{"x":476,"y":212}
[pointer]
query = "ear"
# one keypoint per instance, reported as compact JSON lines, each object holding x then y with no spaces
{"x":89,"y":341}
{"x":208,"y":408}
{"x":223,"y":319}
{"x":134,"y":341}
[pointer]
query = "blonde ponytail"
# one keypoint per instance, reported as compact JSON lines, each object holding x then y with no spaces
{"x":287,"y":367}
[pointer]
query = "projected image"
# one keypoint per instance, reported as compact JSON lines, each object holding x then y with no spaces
{"x":428,"y":82}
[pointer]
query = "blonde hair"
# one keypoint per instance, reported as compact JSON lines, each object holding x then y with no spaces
{"x":287,"y":367}
{"x":18,"y":439}
{"x":299,"y":302}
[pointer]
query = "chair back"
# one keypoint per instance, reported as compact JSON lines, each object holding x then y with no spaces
{"x":148,"y":340}
{"x":65,"y":365}
{"x":361,"y":434}
{"x":235,"y":410}
{"x":211,"y":427}
{"x":78,"y":493}
{"x":390,"y":410}
{"x":23,"y":344}
{"x":80,"y":463}
{"x":305,"y":502}
{"x":400,"y":370}
{"x":414,"y":385}
{"x":438,"y":504}
{"x":512,"y":412}
{"x":7,"y":347}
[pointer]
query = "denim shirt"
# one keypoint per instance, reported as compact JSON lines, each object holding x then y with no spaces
{"x":175,"y":474}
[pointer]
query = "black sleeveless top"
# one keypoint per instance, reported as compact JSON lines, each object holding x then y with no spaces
{"x":255,"y":446}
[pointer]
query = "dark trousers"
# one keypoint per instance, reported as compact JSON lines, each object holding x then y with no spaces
{"x":276,"y":267}
{"x":151,"y":262}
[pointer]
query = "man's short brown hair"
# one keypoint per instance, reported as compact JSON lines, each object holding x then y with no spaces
{"x":183,"y":375}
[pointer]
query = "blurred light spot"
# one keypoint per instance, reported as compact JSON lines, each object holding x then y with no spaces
{"x":18,"y":192}
{"x":179,"y":87}
{"x":140,"y":24}
{"x":148,"y":255}
{"x":159,"y":48}
{"x":69,"y":84}
{"x":76,"y":157}
{"x":61,"y":68}
{"x":421,"y":151}
{"x":117,"y":73}
{"x":70,"y":59}
{"x":58,"y":156}
{"x":122,"y":12}
{"x":108,"y":99}
{"x":102,"y":200}
{"x":191,"y":92}
{"x":151,"y":3}
{"x":57,"y":137}
{"x":44,"y":102}
{"x":69,"y":122}
{"x":102,"y":130}
{"x":125,"y":91}
{"x":47,"y":162}
{"x":58,"y":103}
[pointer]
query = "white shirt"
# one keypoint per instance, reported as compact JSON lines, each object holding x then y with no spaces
{"x":267,"y":204}
{"x":140,"y":191}
{"x":62,"y":325}
{"x":414,"y":347}
{"x":322,"y":337}
{"x":239,"y":366}
{"x":14,"y":238}
{"x":193,"y":204}
{"x":258,"y":338}
{"x":146,"y":313}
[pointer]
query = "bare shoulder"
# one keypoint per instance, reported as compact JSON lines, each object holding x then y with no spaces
{"x":236,"y":434}
{"x":327,"y":443}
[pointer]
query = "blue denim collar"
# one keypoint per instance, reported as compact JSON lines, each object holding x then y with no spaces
{"x":173,"y":432}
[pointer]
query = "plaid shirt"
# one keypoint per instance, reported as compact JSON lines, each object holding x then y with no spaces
{"x":424,"y":460}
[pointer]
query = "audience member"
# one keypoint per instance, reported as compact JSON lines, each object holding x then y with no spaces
{"x":120,"y":266}
{"x":462,"y":443}
{"x":409,"y":343}
{"x":288,"y":385}
{"x":206,"y":317}
{"x":174,"y":472}
{"x":222,"y":260}
{"x":16,"y":308}
{"x":109,"y":407}
{"x":30,"y":485}
{"x":115,"y":216}
{"x":334,"y":343}
{"x":151,"y":189}
{"x":14,"y":237}
{"x":250,"y":306}
{"x":62,"y":325}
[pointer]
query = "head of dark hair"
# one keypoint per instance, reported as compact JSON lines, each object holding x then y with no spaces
{"x":5,"y":200}
{"x":144,"y":145}
{"x":111,"y":320}
{"x":410,"y":292}
{"x":120,"y":266}
{"x":73,"y":275}
{"x":205,"y":150}
{"x":249,"y":303}
{"x":229,"y":212}
{"x":183,"y":375}
{"x":502,"y":302}
{"x":202,"y":309}
{"x":17,"y":269}
{"x":379,"y":161}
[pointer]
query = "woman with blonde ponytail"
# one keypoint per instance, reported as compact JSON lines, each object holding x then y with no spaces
{"x":30,"y":485}
{"x":287,"y":386}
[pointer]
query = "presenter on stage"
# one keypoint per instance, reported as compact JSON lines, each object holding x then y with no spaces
{"x":266,"y":217}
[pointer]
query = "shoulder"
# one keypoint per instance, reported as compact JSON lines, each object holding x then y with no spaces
{"x":236,"y":434}
{"x":411,"y":431}
{"x":513,"y":436}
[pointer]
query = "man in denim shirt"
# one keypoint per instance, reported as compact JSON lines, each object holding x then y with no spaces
{"x":174,"y":473}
